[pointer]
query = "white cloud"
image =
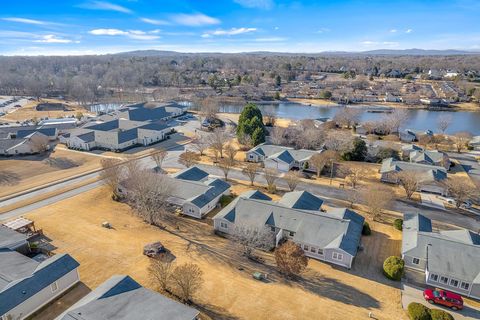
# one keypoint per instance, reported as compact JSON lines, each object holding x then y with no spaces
{"x":155,"y":21}
{"x":261,"y":4}
{"x":393,"y":31}
{"x":390,"y":43}
{"x":27,"y":21}
{"x":132,"y":34}
{"x":194,"y":20}
{"x":51,"y":38}
{"x":409,"y":31}
{"x":230,"y":32}
{"x":369,"y":43}
{"x":103,"y":5}
{"x":276,"y":28}
{"x":323,"y":30}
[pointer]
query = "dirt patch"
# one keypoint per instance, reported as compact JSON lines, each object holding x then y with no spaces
{"x":61,"y":163}
{"x":8,"y":178}
{"x":229,"y":291}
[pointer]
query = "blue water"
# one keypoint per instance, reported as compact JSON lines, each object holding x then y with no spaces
{"x":418,"y":119}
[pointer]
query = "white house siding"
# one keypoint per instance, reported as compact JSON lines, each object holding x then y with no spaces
{"x":217,"y":225}
{"x":447,"y":286}
{"x":43,"y":297}
{"x":191,"y":210}
{"x":76,"y":143}
{"x":327,"y":255}
{"x":147,"y":137}
{"x":253,"y":157}
{"x":277,"y":165}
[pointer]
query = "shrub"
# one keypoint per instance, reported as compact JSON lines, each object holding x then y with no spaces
{"x":398,"y":224}
{"x":225,"y":200}
{"x":393,"y":268}
{"x":437,"y":314}
{"x":417,"y":311}
{"x":366,"y":231}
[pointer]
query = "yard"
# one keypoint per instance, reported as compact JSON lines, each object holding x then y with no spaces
{"x":25,"y":172}
{"x":324,"y":291}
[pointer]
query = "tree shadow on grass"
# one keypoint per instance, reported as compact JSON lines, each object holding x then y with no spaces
{"x":9,"y":178}
{"x":215,"y":312}
{"x":335,"y":290}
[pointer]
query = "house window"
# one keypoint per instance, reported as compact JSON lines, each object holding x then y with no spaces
{"x":251,"y":156}
{"x":312,"y":249}
{"x":223,"y":225}
{"x":291,"y":233}
{"x":465,"y":285}
{"x":305,"y":247}
{"x":272,"y":229}
{"x":454,"y":283}
{"x":443,"y":280}
{"x":415,"y":261}
{"x":337,"y":256}
{"x":320,"y":252}
{"x":434,"y":277}
{"x":54,"y":286}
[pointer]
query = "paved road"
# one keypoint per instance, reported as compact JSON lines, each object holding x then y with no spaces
{"x":413,"y":294}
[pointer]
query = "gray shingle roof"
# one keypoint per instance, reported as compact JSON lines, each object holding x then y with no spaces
{"x":11,"y":239}
{"x":193,"y":174}
{"x":425,"y":172}
{"x":453,"y":253}
{"x":340,"y":229}
{"x":22,"y":277}
{"x":87,"y":137}
{"x":430,"y":156}
{"x":217,"y":187}
{"x":49,"y":132}
{"x":122,"y":298}
{"x":285,"y":154}
{"x":303,"y":200}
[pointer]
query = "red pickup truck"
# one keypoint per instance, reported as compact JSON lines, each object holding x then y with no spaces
{"x":444,"y":298}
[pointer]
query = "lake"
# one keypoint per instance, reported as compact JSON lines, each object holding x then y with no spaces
{"x":419,"y":119}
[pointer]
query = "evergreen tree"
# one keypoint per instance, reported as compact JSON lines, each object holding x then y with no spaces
{"x":251,"y":124}
{"x":358,"y":152}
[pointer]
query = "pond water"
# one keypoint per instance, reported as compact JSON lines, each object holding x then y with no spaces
{"x":419,"y":119}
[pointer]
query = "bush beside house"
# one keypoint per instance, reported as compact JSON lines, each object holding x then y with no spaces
{"x":393,"y":268}
{"x":417,"y":311}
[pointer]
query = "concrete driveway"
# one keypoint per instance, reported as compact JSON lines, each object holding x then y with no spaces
{"x":414,"y":294}
{"x":432,"y":200}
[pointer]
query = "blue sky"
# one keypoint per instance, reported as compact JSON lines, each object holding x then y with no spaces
{"x":35,"y":27}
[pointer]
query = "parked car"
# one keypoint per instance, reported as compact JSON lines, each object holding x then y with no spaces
{"x":445,"y":298}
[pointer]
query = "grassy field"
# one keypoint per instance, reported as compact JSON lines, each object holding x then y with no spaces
{"x":323,"y":292}
{"x":28,"y":111}
{"x":22,"y":173}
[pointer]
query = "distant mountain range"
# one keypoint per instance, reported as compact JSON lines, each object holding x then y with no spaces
{"x":390,"y":52}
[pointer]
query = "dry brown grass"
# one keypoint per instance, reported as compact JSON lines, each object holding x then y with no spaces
{"x":324,"y":291}
{"x":32,"y":171}
{"x":28,"y":111}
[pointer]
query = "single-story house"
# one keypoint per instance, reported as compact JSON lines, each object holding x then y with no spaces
{"x":431,"y":157}
{"x":448,"y":259}
{"x":122,"y":298}
{"x":280,"y":158}
{"x":32,"y":143}
{"x":196,"y":192}
{"x":475,"y":143}
{"x":151,"y":111}
{"x":409,"y":148}
{"x":118,"y":134}
{"x":332,"y":236}
{"x":430,"y":177}
{"x":26,"y":285}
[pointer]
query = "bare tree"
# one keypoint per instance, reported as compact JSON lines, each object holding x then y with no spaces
{"x":200,"y":143}
{"x":318,"y":161}
{"x":351,"y":196}
{"x":271,"y":176}
{"x":460,"y":190}
{"x":250,"y":238}
{"x":217,"y":140}
{"x":277,"y":135}
{"x":147,"y":193}
{"x":251,"y":170}
{"x":269,"y":115}
{"x":158,"y":156}
{"x":444,"y":120}
{"x":39,"y":143}
{"x":461,"y":140}
{"x":188,"y":158}
{"x":290,"y":259}
{"x":339,"y":141}
{"x":377,"y":198}
{"x":231,"y":151}
{"x":409,"y":181}
{"x":160,"y":272}
{"x":112,"y":174}
{"x":187,"y":279}
{"x":226,"y":164}
{"x":347,"y":116}
{"x":354,"y":174}
{"x":209,"y":107}
{"x":292,"y":178}
{"x":396,"y":120}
